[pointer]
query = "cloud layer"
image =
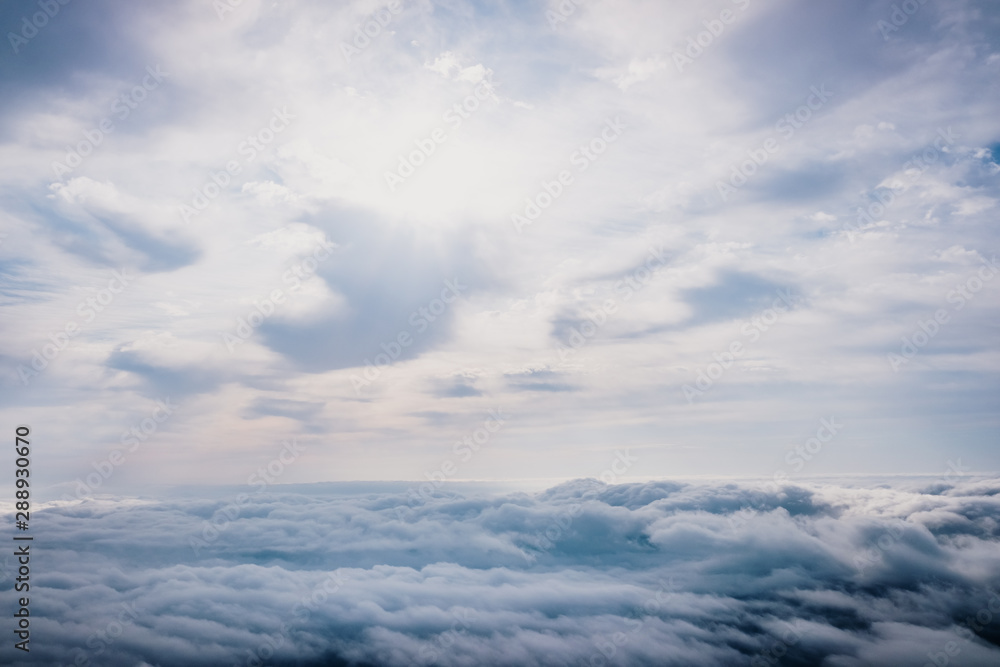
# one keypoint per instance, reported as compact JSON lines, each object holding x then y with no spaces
{"x":890,"y":571}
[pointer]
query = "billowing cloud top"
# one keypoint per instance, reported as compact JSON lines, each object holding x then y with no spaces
{"x":893,"y":571}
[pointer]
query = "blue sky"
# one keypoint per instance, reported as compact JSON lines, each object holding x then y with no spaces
{"x":577,"y":246}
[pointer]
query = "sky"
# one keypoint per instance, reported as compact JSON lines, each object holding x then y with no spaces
{"x":561,"y":332}
{"x":285,"y":228}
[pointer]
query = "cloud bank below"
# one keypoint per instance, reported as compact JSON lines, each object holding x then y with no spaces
{"x":832,"y":572}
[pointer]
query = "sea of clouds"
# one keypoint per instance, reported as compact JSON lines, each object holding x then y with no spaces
{"x":833,"y":572}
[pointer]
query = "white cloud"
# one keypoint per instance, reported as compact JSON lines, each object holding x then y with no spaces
{"x":794,"y":224}
{"x":383,"y":576}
